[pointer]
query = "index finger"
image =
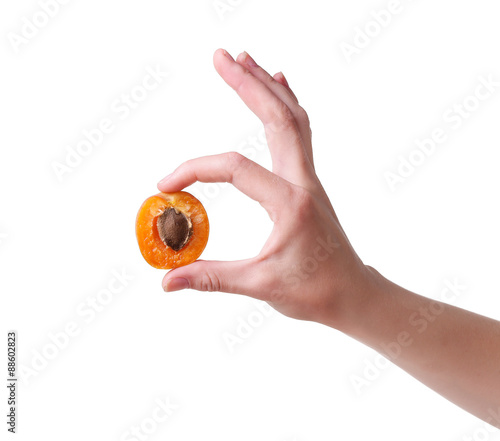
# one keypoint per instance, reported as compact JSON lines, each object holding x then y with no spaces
{"x":247,"y":176}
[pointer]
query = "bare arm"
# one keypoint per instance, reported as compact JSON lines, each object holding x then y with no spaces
{"x":308,"y":270}
{"x":451,"y":350}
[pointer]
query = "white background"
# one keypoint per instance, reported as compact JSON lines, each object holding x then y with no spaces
{"x":61,"y":239}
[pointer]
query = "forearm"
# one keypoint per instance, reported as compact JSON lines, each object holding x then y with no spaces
{"x":453,"y":351}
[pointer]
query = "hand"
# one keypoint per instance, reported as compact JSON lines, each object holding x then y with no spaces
{"x":307,"y":269}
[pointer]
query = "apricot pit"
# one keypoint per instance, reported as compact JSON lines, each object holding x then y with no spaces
{"x":174,"y":228}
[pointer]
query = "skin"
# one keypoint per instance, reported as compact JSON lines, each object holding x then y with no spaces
{"x":308,"y":270}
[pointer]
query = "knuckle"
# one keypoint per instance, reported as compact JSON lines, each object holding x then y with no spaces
{"x":282,"y":118}
{"x":189,"y":166}
{"x":210,"y":282}
{"x":302,"y":115}
{"x":235,"y":160}
{"x":270,"y":80}
{"x":184,"y":166}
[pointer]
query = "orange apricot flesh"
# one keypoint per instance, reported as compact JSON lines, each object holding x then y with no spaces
{"x":172,"y":229}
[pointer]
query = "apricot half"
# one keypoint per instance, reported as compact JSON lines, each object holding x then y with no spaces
{"x":171,"y":229}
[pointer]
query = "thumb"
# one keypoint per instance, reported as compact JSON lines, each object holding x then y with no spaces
{"x":239,"y":277}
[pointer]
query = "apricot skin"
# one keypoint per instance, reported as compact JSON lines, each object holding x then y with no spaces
{"x":154,"y":251}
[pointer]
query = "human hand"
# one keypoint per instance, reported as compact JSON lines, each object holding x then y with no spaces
{"x":307,"y":269}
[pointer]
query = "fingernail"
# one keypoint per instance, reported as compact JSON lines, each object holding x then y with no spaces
{"x":227,"y":54}
{"x":248,"y":60}
{"x":176,"y":285}
{"x":165,"y":179}
{"x":284,"y":79}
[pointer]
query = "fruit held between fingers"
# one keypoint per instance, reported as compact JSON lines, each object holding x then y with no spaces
{"x":172,"y":229}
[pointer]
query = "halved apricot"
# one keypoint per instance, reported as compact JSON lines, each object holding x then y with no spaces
{"x":171,"y":229}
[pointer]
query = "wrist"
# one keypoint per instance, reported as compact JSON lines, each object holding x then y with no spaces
{"x":361,"y":304}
